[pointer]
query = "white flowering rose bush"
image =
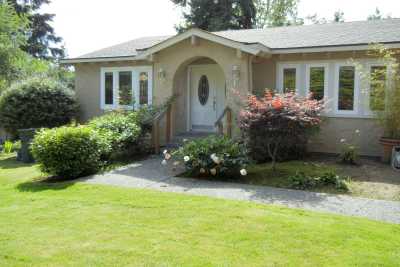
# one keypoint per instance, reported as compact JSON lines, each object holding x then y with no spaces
{"x":210,"y":157}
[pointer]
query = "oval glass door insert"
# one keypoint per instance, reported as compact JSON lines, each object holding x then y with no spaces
{"x":203,"y":90}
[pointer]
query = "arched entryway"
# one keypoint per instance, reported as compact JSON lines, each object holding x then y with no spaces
{"x":200,"y":87}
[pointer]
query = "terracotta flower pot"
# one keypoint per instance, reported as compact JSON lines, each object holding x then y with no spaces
{"x":388,"y":144}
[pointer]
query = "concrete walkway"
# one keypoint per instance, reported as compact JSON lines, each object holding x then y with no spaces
{"x":151,"y":174}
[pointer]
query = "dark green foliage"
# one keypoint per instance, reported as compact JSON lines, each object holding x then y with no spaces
{"x":219,"y":15}
{"x":212,"y":156}
{"x":42,"y":42}
{"x":302,"y":181}
{"x":36,"y":103}
{"x":68,"y":152}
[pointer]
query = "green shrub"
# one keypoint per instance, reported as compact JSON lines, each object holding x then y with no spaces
{"x":302,"y":181}
{"x":9,"y":146}
{"x":68,"y":152}
{"x":36,"y":103}
{"x":211,"y":156}
{"x":119,"y":130}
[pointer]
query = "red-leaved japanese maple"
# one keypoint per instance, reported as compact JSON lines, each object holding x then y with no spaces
{"x":277,"y":121}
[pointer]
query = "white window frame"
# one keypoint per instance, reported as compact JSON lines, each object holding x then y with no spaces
{"x":326,"y":77}
{"x":281,"y":67}
{"x":356,"y":99}
{"x":367,"y":98}
{"x":135,"y":86}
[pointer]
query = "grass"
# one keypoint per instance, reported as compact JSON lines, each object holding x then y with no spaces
{"x":75,"y":224}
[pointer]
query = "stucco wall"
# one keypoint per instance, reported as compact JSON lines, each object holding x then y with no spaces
{"x":175,"y":60}
{"x":87,"y":86}
{"x":334,"y":127}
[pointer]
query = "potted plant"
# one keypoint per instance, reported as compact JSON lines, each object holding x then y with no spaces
{"x":387,"y":92}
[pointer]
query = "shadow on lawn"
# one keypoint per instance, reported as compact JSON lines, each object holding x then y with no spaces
{"x":10,"y":162}
{"x":39,"y":185}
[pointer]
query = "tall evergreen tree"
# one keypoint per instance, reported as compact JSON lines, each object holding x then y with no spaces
{"x":42,"y":41}
{"x":217,"y":15}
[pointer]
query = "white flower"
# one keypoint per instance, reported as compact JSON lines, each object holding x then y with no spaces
{"x":357,"y":131}
{"x":342,"y":140}
{"x":165,"y":152}
{"x":215,"y":159}
{"x":186,"y":158}
{"x":213,"y":172}
{"x":167,"y":156}
{"x":202,"y":170}
{"x":243,"y":172}
{"x":164,"y":162}
{"x":185,"y":140}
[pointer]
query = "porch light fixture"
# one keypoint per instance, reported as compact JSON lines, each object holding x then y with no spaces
{"x":236,"y":75}
{"x":162,"y":74}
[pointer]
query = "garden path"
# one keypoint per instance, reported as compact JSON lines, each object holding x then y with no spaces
{"x":150,"y":174}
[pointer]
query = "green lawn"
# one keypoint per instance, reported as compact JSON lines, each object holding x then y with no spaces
{"x":72,"y":224}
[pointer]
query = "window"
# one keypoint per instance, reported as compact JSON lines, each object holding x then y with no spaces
{"x":144,"y":88}
{"x":377,"y":87}
{"x":316,"y":82}
{"x":125,"y":86}
{"x":289,"y":79}
{"x":109,"y":85}
{"x":346,"y":88}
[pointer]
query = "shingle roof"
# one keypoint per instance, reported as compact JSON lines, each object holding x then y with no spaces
{"x":305,"y":36}
{"x":320,"y":35}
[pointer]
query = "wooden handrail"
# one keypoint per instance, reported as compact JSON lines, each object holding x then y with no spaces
{"x":165,"y":112}
{"x":228,"y":113}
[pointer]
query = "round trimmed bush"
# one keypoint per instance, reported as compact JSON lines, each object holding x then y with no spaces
{"x":68,"y":152}
{"x":36,"y":103}
{"x":120,"y":131}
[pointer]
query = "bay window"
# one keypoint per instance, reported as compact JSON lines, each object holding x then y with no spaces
{"x":126,"y":87}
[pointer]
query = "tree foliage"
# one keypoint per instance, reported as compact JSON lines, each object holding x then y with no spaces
{"x":276,"y":122}
{"x":217,"y":15}
{"x":11,"y":38}
{"x":277,"y":13}
{"x":377,"y":15}
{"x":42,"y":41}
{"x":36,"y":103}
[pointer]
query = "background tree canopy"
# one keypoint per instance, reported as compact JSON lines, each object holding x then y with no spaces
{"x":42,"y":42}
{"x":217,"y":15}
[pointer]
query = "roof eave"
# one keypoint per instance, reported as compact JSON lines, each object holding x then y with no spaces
{"x":333,"y":48}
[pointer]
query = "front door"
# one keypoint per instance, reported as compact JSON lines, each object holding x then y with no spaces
{"x":207,"y":94}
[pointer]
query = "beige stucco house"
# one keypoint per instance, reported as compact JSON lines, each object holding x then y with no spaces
{"x":204,"y":70}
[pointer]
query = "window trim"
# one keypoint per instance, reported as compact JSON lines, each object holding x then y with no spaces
{"x":326,"y":77}
{"x":135,"y":71}
{"x":281,"y":67}
{"x":356,"y":99}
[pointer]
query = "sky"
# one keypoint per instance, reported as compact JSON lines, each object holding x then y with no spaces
{"x":89,"y":25}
